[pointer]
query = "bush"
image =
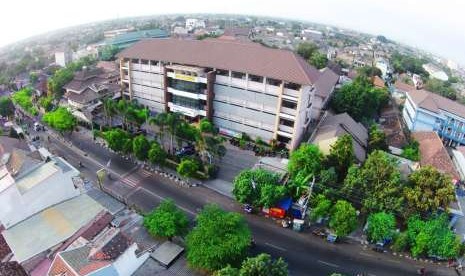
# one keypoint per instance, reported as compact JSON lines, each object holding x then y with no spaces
{"x":400,"y":242}
{"x":411,"y":151}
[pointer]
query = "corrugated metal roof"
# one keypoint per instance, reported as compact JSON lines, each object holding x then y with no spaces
{"x":50,"y":227}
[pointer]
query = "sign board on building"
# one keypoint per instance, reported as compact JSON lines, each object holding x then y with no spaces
{"x":185,"y":77}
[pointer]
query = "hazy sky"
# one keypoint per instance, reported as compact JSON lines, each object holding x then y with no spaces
{"x":434,"y":25}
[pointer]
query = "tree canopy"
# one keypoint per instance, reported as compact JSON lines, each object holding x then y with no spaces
{"x":377,"y":184}
{"x":360,"y":99}
{"x":23,"y":98}
{"x":117,"y":139}
{"x":377,"y":139}
{"x":166,"y":221}
{"x":342,"y":155}
{"x":263,"y":264}
{"x":322,"y":207}
{"x":156,"y":154}
{"x":369,"y":71}
{"x":407,"y":63}
{"x":381,"y":226}
{"x":187,"y":168}
{"x":343,"y":218}
{"x":309,"y":51}
{"x":432,"y":237}
{"x":411,"y":151}
{"x":7,"y":108}
{"x":140,"y":147}
{"x":219,"y":238}
{"x":427,"y":191}
{"x":60,"y":119}
{"x":443,"y":88}
{"x":306,"y":160}
{"x":258,"y":188}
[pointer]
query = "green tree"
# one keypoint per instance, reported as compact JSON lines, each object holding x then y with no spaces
{"x":411,"y":151}
{"x":263,"y":264}
{"x":377,"y":139}
{"x":7,"y":109}
{"x":427,"y":191}
{"x":322,"y":208}
{"x":377,"y":183}
{"x":306,"y":160}
{"x":219,"y":238}
{"x":187,"y":168}
{"x":46,"y":103}
{"x":343,"y":218}
{"x":360,"y":99}
{"x":408,"y":63}
{"x":369,"y":71}
{"x":432,"y":237}
{"x":381,"y":226}
{"x":109,"y":109}
{"x":33,"y":78}
{"x":442,"y":88}
{"x":23,"y":98}
{"x":166,"y":221}
{"x":156,"y":154}
{"x":318,"y":60}
{"x":206,"y":126}
{"x":108,"y":52}
{"x":140,"y":147}
{"x":60,"y":119}
{"x":118,"y":140}
{"x":306,"y":49}
{"x":227,"y":271}
{"x":342,"y":155}
{"x":258,"y":187}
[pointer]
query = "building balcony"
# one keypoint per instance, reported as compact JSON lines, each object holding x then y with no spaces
{"x":256,"y":86}
{"x":291,"y":93}
{"x":187,"y":77}
{"x":286,"y":129}
{"x":190,"y":95}
{"x":271,"y":89}
{"x":239,"y":82}
{"x":289,"y":111}
{"x":222,"y":79}
{"x":191,"y":112}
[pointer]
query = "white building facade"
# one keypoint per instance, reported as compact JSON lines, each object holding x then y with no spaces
{"x":241,"y":87}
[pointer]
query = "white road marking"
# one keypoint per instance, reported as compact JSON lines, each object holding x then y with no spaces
{"x":328,"y":264}
{"x":365,"y":254}
{"x":275,"y":246}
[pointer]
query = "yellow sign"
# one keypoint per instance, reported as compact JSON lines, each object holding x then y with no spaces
{"x":185,"y":77}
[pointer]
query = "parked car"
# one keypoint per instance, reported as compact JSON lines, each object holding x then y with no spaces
{"x":186,"y":151}
{"x":332,"y":238}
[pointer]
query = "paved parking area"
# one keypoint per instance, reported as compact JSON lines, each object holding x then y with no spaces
{"x":231,"y":165}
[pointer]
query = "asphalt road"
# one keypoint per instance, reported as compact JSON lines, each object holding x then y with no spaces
{"x":305,"y":254}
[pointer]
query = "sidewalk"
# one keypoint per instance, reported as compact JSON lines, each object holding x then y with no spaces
{"x":220,"y":186}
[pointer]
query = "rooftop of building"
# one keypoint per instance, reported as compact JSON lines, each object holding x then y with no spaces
{"x":135,"y":36}
{"x":51,"y":226}
{"x":434,"y":102}
{"x":334,"y":126}
{"x":90,"y":76}
{"x":378,"y":82}
{"x":403,"y":86}
{"x":433,"y":153}
{"x":325,"y":83}
{"x":233,"y":55}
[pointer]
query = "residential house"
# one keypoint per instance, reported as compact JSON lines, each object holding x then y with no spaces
{"x":88,"y":87}
{"x":426,"y":111}
{"x":332,"y":127}
{"x":433,"y":153}
{"x":378,"y":82}
{"x":110,"y":253}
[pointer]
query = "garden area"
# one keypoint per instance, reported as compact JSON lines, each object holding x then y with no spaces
{"x":192,"y":150}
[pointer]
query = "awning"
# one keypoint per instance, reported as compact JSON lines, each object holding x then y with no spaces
{"x":285,"y":203}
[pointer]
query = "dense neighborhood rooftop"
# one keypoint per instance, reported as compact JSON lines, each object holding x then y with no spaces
{"x":238,"y":56}
{"x":434,"y":102}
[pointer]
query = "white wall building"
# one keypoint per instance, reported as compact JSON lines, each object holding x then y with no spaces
{"x":241,"y":87}
{"x":63,"y":58}
{"x":194,"y":23}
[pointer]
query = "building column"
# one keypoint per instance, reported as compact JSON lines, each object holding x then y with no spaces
{"x":211,"y":77}
{"x":168,"y":96}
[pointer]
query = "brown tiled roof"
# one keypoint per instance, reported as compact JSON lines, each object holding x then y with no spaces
{"x":107,"y":65}
{"x":97,"y":226}
{"x":228,"y":55}
{"x":403,"y":86}
{"x":433,"y":153}
{"x":78,"y":259}
{"x":434,"y":102}
{"x":325,"y":84}
{"x":12,"y":269}
{"x":4,"y":248}
{"x":378,"y":82}
{"x":113,"y":249}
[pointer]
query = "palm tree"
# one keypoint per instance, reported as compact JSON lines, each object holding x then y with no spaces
{"x":160,"y":121}
{"x":109,"y":108}
{"x":123,"y":110}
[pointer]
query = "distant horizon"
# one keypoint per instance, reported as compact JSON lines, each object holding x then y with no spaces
{"x":425,"y":25}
